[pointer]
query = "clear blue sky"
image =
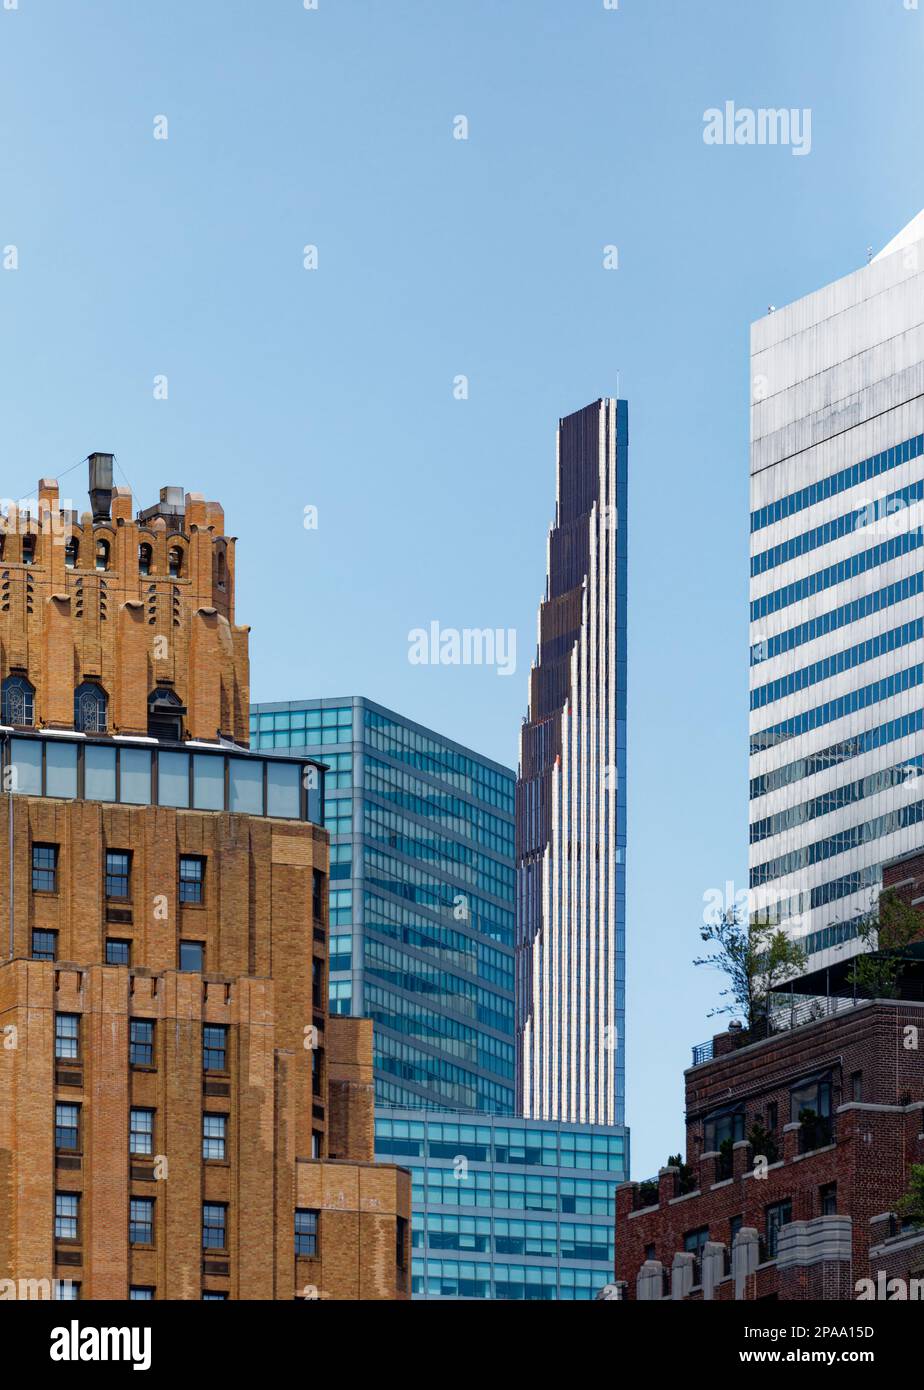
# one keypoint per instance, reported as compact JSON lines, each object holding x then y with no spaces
{"x":439,"y":257}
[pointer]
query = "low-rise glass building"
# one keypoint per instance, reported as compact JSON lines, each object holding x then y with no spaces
{"x":507,"y":1208}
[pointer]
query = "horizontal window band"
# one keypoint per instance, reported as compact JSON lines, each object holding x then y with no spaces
{"x":814,"y":763}
{"x":839,"y":573}
{"x":838,"y":482}
{"x":836,"y":709}
{"x":766,"y":647}
{"x":837,"y":663}
{"x":876,"y":512}
{"x":904,"y":774}
{"x":808,"y":855}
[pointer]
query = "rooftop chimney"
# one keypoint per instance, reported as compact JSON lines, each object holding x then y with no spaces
{"x":101,"y":485}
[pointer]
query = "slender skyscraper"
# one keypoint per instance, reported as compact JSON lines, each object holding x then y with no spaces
{"x":837,"y":633}
{"x":570,"y":810}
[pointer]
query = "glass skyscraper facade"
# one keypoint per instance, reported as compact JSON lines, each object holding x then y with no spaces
{"x":422,"y":941}
{"x":837,"y":634}
{"x":571,"y":819}
{"x":421,"y":897}
{"x":507,"y":1208}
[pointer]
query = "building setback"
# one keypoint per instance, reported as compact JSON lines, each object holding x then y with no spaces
{"x":422,"y":897}
{"x":837,"y":634}
{"x":570,"y":812}
{"x":181,"y":1118}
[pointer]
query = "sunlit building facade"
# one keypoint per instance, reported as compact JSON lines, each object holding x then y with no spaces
{"x":571,"y":831}
{"x":837,"y":633}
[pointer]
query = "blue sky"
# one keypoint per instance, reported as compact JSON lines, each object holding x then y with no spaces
{"x":440,"y":257}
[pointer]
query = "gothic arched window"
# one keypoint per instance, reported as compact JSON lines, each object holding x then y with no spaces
{"x":18,"y":702}
{"x":90,"y":708}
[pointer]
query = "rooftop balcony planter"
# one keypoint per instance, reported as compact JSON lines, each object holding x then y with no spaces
{"x":817,"y":1131}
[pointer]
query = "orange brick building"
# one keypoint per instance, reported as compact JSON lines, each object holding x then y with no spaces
{"x":180,"y":1117}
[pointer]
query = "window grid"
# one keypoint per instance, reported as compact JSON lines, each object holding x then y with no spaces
{"x":141,"y":1132}
{"x":141,"y":1044}
{"x":67,"y":1037}
{"x":67,"y":1216}
{"x":141,"y":1221}
{"x":214,"y":1226}
{"x":67,"y":1126}
{"x":44,"y":868}
{"x":214,"y":1047}
{"x":213,"y":1136}
{"x":306,"y":1232}
{"x":192,"y":878}
{"x":118,"y":873}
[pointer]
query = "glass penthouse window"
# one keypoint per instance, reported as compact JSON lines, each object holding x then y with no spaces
{"x":144,"y":776}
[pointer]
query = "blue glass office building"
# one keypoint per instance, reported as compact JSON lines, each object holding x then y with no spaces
{"x":507,"y":1208}
{"x":421,"y":897}
{"x":422,"y":942}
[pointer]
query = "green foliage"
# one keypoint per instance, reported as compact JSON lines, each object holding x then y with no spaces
{"x":755,"y":959}
{"x":911,"y":1205}
{"x":886,"y":933}
{"x":726,"y":1158}
{"x":648,"y":1192}
{"x":763,"y":1143}
{"x":687,"y":1176}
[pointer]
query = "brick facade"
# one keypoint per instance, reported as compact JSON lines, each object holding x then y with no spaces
{"x":292,"y":1084}
{"x":839,"y":1175}
{"x":83,"y":609}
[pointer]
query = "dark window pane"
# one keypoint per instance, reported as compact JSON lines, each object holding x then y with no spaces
{"x":192,"y":956}
{"x":44,"y":868}
{"x":44,"y":945}
{"x":67,"y":1037}
{"x":141,"y":1046}
{"x":192,"y":873}
{"x":118,"y":952}
{"x":214,"y":1047}
{"x":306,"y":1232}
{"x":118,"y":869}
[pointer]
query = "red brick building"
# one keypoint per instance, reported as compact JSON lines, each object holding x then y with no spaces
{"x":798,"y":1148}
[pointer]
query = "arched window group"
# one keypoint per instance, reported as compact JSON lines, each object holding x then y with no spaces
{"x":17,"y":705}
{"x":18,"y":702}
{"x":90,"y":704}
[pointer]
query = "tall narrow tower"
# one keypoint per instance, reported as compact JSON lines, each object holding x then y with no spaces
{"x":570,"y":809}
